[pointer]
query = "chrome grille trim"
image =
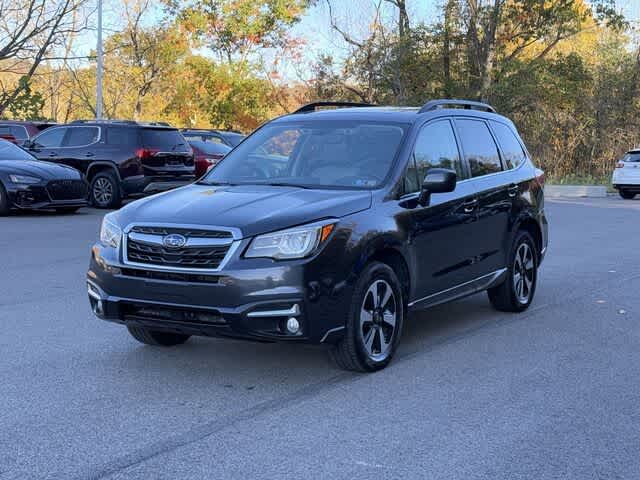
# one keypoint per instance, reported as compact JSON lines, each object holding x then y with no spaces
{"x":233,"y":243}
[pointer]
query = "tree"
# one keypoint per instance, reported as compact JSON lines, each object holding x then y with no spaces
{"x":235,"y":28}
{"x":29,"y":31}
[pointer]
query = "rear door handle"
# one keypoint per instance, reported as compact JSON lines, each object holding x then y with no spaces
{"x":89,"y":154}
{"x":513,"y":190}
{"x":53,"y":154}
{"x":470,"y":205}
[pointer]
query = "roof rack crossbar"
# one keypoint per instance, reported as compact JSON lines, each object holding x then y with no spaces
{"x":312,"y":107}
{"x":466,"y":104}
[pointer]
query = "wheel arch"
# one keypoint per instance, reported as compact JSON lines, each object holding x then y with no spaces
{"x":388,"y":250}
{"x":97,"y":167}
{"x":530,"y":225}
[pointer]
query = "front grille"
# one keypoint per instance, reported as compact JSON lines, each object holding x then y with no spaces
{"x":67,"y":190}
{"x":204,"y":249}
{"x":132,"y":311}
{"x":187,"y":232}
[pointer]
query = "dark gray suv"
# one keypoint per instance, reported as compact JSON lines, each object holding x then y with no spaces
{"x":330,"y":227}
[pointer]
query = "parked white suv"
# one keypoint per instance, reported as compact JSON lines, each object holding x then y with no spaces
{"x":626,"y":176}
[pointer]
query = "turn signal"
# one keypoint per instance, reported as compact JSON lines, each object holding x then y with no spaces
{"x":619,"y":165}
{"x":326,"y":231}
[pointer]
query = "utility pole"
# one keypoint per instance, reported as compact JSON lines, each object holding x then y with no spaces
{"x":99,"y":66}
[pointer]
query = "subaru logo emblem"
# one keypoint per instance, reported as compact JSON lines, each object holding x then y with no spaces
{"x":174,"y":240}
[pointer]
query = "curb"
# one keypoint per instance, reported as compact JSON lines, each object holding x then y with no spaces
{"x":589,"y":191}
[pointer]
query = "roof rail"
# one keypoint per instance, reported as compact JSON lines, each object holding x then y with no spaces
{"x":312,"y":107}
{"x":466,"y":104}
{"x":126,"y":122}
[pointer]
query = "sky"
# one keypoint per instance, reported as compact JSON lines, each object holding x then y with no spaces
{"x":315,"y":27}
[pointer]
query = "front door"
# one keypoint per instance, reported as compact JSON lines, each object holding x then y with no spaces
{"x":47,"y":145}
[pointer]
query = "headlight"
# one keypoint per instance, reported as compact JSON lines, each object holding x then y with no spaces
{"x":110,"y":232}
{"x":24,"y":179}
{"x":297,"y":242}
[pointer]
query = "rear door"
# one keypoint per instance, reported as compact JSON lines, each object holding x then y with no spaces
{"x":165,"y":153}
{"x":440,"y":233}
{"x":494,"y":195}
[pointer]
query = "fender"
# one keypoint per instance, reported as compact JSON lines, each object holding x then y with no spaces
{"x":110,"y":165}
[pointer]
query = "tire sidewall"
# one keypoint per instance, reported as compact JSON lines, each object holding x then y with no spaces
{"x":4,"y":200}
{"x":375,"y":271}
{"x":115,"y":199}
{"x":522,"y":237}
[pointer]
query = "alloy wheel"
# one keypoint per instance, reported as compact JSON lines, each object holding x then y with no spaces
{"x":103,"y":191}
{"x":378,"y":316}
{"x":523,"y":273}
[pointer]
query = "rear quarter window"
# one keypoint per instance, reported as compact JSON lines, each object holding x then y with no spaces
{"x":123,"y":136}
{"x":509,"y":144}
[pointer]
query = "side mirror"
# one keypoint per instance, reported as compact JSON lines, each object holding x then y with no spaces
{"x":27,"y":144}
{"x":437,"y":180}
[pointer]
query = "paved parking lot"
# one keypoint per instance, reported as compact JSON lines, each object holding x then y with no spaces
{"x":551,"y":393}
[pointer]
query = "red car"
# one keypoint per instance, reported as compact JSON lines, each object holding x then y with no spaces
{"x":18,"y":132}
{"x":207,"y":155}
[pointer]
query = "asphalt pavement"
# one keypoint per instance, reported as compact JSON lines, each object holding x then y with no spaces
{"x":553,"y":393}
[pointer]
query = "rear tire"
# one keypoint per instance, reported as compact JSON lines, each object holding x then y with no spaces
{"x":104,"y":191}
{"x":626,"y":194}
{"x":4,"y":201}
{"x":374,"y":326}
{"x":516,"y":293}
{"x":156,"y":338}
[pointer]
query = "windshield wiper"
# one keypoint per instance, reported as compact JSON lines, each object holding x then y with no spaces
{"x":215,"y":184}
{"x":284,"y":184}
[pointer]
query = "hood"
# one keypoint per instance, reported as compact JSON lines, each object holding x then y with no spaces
{"x":254,"y":209}
{"x":36,"y":168}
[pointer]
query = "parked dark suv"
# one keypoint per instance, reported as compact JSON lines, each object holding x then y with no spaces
{"x":119,"y":158}
{"x":330,"y":227}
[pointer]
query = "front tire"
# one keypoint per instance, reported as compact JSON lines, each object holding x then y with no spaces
{"x":157,"y":338}
{"x":626,"y":194}
{"x":516,"y":293}
{"x":104,"y":191}
{"x":374,"y":326}
{"x":4,"y":201}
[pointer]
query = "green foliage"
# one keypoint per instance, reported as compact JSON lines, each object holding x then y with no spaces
{"x":233,"y":28}
{"x":25,"y":104}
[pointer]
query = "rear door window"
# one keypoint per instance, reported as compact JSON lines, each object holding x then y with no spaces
{"x":51,"y":138}
{"x":512,"y":150}
{"x":82,"y":136}
{"x":480,"y":150}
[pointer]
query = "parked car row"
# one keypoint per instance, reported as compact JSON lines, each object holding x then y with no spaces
{"x":117,"y":159}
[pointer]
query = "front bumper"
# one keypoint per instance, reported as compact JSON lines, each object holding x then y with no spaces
{"x":37,"y":197}
{"x":254,"y":301}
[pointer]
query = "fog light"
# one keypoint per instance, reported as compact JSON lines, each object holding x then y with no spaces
{"x":293,"y":326}
{"x":98,"y":308}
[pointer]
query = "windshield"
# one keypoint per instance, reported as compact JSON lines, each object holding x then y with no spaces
{"x":321,"y":154}
{"x":9,"y":151}
{"x":631,"y":157}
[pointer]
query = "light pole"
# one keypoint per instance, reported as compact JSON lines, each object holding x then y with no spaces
{"x":99,"y":66}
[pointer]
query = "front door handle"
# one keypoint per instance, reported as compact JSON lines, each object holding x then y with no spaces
{"x":53,"y":154}
{"x":89,"y":154}
{"x":470,"y":205}
{"x":513,"y":190}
